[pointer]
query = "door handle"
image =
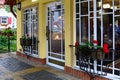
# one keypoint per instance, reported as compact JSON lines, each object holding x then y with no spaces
{"x":47,"y":32}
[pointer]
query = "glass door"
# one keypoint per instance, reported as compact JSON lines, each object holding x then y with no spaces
{"x":55,"y":35}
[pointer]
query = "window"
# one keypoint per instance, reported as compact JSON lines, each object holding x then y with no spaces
{"x":4,"y":20}
{"x":93,"y":21}
{"x":31,"y":29}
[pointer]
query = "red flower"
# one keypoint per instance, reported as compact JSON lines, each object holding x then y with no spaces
{"x":76,"y":43}
{"x":95,"y":41}
{"x":105,"y":48}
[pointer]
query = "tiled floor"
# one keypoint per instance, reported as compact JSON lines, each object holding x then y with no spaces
{"x":12,"y":64}
{"x":17,"y":68}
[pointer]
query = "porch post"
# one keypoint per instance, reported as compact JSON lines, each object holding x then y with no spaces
{"x":69,"y":55}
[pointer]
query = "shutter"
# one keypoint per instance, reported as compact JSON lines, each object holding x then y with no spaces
{"x":9,"y":20}
{"x":0,"y":19}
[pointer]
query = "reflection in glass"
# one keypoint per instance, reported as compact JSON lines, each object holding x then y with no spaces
{"x":31,"y":29}
{"x":84,"y":8}
{"x":84,"y":29}
{"x":56,"y":26}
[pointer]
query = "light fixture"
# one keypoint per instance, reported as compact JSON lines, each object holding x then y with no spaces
{"x":19,"y":5}
{"x":105,"y":6}
{"x":34,"y":0}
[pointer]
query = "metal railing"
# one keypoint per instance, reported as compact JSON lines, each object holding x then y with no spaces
{"x":106,"y":64}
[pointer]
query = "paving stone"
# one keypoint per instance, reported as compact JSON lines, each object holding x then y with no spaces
{"x":13,"y":64}
{"x":42,"y":75}
{"x":1,"y":72}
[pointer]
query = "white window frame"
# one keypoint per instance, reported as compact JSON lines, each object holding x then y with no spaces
{"x":31,"y":22}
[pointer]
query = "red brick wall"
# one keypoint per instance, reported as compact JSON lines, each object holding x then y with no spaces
{"x":81,"y":74}
{"x":41,"y":61}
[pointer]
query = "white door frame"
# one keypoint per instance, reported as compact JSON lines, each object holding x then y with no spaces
{"x":50,"y":57}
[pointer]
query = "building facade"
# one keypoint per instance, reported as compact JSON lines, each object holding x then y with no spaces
{"x":7,"y":19}
{"x":47,"y":31}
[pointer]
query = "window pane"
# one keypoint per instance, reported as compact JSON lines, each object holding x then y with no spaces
{"x":84,"y":8}
{"x":77,"y":30}
{"x":77,"y":8}
{"x":84,"y":28}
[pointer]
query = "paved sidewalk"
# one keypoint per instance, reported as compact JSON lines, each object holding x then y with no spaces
{"x":13,"y":67}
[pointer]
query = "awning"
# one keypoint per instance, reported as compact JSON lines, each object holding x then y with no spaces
{"x":10,"y":2}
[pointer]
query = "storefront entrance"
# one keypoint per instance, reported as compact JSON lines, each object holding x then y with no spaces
{"x":55,"y":35}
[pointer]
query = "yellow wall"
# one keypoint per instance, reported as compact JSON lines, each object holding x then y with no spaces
{"x":69,"y":56}
{"x":19,"y":31}
{"x":42,"y":27}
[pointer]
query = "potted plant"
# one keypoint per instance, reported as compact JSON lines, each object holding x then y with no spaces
{"x":26,"y":41}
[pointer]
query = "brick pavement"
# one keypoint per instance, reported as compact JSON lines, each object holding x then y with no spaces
{"x":13,"y":67}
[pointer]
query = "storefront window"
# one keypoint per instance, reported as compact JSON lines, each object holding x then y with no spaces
{"x":101,"y":22}
{"x":31,"y":29}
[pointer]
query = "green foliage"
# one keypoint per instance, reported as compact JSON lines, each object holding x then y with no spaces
{"x":7,"y":32}
{"x":7,"y":8}
{"x":4,"y":43}
{"x":89,"y":45}
{"x":15,"y":8}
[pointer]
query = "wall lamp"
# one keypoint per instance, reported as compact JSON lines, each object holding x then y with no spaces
{"x":19,"y":5}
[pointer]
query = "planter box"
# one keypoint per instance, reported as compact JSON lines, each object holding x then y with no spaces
{"x":25,"y":42}
{"x":84,"y":52}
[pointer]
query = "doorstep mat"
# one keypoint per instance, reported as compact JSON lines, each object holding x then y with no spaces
{"x":42,"y":75}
